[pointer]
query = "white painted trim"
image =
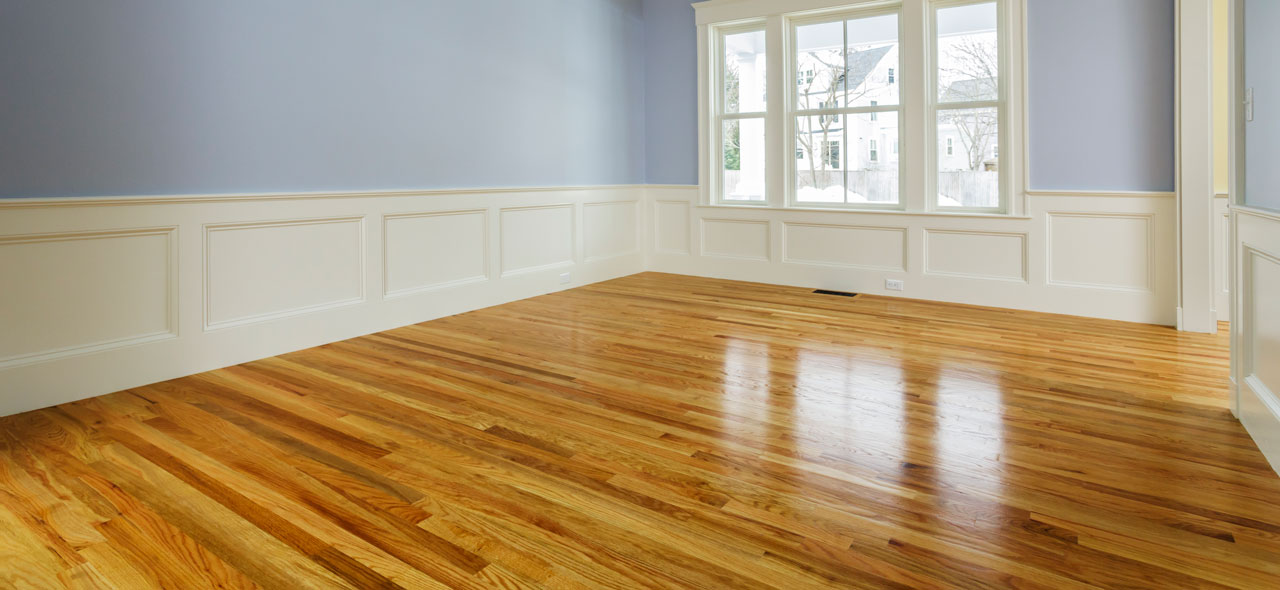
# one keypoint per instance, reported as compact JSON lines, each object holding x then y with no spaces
{"x":186,"y":199}
{"x":917,"y":112}
{"x":1261,"y":409}
{"x":171,"y":300}
{"x":1146,"y":218}
{"x":856,"y":211}
{"x":487,"y":274}
{"x":1101,"y":194}
{"x":1024,"y":255}
{"x":901,"y":267}
{"x":1086,"y":298}
{"x":1196,"y":287}
{"x":504,"y":266}
{"x":702,"y":244}
{"x":75,"y":367}
{"x":1256,"y":212}
{"x":210,"y":229}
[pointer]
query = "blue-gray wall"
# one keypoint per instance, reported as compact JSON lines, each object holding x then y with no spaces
{"x":671,"y":92}
{"x":1101,"y":103}
{"x":1262,"y":134}
{"x":103,"y":97}
{"x":195,"y":96}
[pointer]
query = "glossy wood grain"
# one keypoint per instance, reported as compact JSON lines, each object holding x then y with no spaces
{"x":661,"y":431}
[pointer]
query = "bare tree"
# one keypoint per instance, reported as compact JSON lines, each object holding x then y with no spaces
{"x":974,"y":66}
{"x":827,"y":85}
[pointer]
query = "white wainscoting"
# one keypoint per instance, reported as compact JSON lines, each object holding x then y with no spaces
{"x":611,"y":229}
{"x":871,"y":248}
{"x":1222,"y":257}
{"x":1256,"y":327}
{"x":735,"y":238}
{"x":116,"y":293}
{"x":100,"y":295}
{"x":412,"y":242}
{"x":76,"y":292}
{"x":1090,"y":254}
{"x":970,"y":254}
{"x":537,"y":238}
{"x":256,"y":272}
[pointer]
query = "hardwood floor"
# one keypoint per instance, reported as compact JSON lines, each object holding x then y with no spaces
{"x":661,"y":431}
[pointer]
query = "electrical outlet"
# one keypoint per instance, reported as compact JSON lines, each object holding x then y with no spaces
{"x":565,"y":278}
{"x":893,"y":284}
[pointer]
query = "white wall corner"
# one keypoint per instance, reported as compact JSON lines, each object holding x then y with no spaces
{"x":1196,"y":292}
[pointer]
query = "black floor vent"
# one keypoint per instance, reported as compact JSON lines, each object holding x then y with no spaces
{"x":840,"y":293}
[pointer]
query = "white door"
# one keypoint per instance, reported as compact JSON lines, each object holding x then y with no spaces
{"x":1255,"y":220}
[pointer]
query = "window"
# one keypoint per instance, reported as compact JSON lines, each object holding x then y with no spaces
{"x":833,"y":119}
{"x":968,"y":104}
{"x":838,"y":102}
{"x":831,"y":153}
{"x":849,"y":102}
{"x":741,"y":109}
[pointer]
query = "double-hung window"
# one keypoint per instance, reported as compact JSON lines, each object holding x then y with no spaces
{"x":871,"y":104}
{"x":967,"y":105}
{"x":741,"y":104}
{"x":850,"y":101}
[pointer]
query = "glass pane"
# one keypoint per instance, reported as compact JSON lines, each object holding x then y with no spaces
{"x":873,"y":61}
{"x":853,"y":161}
{"x":873,"y":162}
{"x":744,"y":73}
{"x":819,"y":66}
{"x":819,"y":160}
{"x":968,"y":53}
{"x":969,"y":158}
{"x":744,"y":160}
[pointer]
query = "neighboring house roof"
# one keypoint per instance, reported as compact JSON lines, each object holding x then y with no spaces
{"x":973,"y":89}
{"x":861,"y":64}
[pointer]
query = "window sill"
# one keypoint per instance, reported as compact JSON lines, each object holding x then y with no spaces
{"x":850,"y":210}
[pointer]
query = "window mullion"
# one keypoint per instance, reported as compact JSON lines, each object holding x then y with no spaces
{"x":779,"y":79}
{"x":915,"y":128}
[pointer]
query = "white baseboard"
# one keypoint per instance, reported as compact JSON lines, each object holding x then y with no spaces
{"x":1260,"y":414}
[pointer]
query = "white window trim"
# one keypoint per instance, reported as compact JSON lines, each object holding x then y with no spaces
{"x":916,"y":139}
{"x":719,"y":108}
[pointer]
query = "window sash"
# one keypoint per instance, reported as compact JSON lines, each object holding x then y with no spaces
{"x":721,"y":117}
{"x":794,"y":112}
{"x":937,"y":105}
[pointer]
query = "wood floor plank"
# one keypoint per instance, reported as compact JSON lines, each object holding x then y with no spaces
{"x":656,"y":432}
